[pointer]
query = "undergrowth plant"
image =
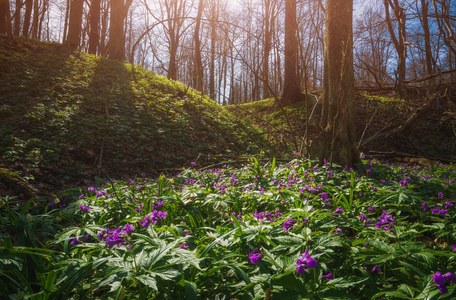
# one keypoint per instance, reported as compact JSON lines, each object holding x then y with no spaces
{"x":259,"y":231}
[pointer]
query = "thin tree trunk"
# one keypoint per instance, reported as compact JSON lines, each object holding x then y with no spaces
{"x":94,"y":37}
{"x":427,"y":37}
{"x":198,"y":73}
{"x":291,"y":90}
{"x":17,"y":18}
{"x":36,"y":14}
{"x":27,"y":17}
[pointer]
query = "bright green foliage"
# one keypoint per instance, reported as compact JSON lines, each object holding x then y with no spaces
{"x":72,"y":111}
{"x":382,"y":231}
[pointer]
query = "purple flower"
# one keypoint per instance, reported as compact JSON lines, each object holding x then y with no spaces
{"x":328,"y":276}
{"x":386,"y":221}
{"x":183,"y":246}
{"x":85,"y":208}
{"x":287,"y":225}
{"x":81,"y":196}
{"x":449,"y":204}
{"x":371,"y":209}
{"x":306,"y":220}
{"x":75,"y":241}
{"x":442,"y":212}
{"x":339,"y":210}
{"x":440,"y":280}
{"x":187,"y":233}
{"x":454,"y":247}
{"x":425,"y":206}
{"x":375,"y":270}
{"x":153,"y":218}
{"x":306,"y":262}
{"x":255,"y":256}
{"x":127,"y":229}
{"x":115,"y":239}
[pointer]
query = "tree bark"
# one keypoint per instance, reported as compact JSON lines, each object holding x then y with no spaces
{"x":36,"y":14}
{"x":336,"y":141}
{"x":75,"y":24}
{"x":291,"y":90}
{"x":399,"y":41}
{"x":427,"y":37}
{"x":94,"y":37}
{"x":198,"y":73}
{"x":27,"y":17}
{"x":17,"y":18}
{"x":5,"y":19}
{"x":116,"y":44}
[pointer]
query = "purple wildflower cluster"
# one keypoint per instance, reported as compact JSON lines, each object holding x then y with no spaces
{"x":325,"y":198}
{"x":441,"y":212}
{"x":238,"y":216}
{"x":287,"y":225}
{"x":338,"y":211}
{"x":267,"y":215}
{"x":155,"y":216}
{"x":116,"y":236}
{"x":306,"y":262}
{"x":386,"y":221}
{"x":255,"y":256}
{"x":364,"y":219}
{"x":85,"y":208}
{"x":440,"y":280}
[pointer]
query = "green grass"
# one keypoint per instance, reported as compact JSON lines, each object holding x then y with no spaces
{"x":78,"y":113}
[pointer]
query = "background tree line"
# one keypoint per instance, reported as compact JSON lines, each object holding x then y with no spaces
{"x":248,"y":50}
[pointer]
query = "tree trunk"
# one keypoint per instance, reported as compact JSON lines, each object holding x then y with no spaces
{"x":267,"y":45}
{"x":336,"y":141}
{"x":27,"y":17}
{"x":36,"y":14}
{"x":75,"y":23}
{"x":399,"y":41}
{"x":427,"y":37}
{"x":5,"y":19}
{"x":43,"y":14}
{"x":116,"y":44}
{"x":17,"y":18}
{"x":94,"y":37}
{"x":291,"y":90}
{"x":198,"y":73}
{"x":214,"y":19}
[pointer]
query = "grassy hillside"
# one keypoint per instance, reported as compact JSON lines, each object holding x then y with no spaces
{"x":73,"y":114}
{"x":431,"y":134}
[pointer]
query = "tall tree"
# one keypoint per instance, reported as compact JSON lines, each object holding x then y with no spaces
{"x":75,"y":24}
{"x":198,"y":72}
{"x":399,"y":40}
{"x":5,"y":18}
{"x":35,"y":19}
{"x":270,"y":12}
{"x":17,"y":17}
{"x":215,"y":7}
{"x":27,"y":17}
{"x":94,"y":36}
{"x":291,"y":90}
{"x":116,"y":44}
{"x":336,"y":141}
{"x":427,"y":37}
